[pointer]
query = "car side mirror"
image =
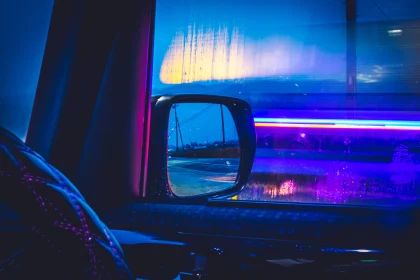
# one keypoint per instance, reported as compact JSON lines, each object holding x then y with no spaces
{"x":201,"y":146}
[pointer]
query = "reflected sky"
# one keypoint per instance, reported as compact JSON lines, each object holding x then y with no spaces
{"x":200,"y":123}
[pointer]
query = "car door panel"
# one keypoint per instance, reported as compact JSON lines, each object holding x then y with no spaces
{"x":230,"y":237}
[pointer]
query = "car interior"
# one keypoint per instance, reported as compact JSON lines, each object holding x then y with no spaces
{"x":223,"y":139}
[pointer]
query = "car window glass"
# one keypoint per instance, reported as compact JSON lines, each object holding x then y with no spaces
{"x":334,"y":90}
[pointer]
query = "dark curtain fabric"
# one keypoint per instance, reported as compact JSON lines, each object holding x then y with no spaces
{"x":91,"y":105}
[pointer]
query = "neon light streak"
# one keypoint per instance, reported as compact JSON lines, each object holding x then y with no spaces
{"x":338,"y":124}
{"x":338,"y":121}
{"x":329,"y":126}
{"x":363,"y":251}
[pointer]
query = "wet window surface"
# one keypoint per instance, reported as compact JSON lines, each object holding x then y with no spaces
{"x":334,"y":89}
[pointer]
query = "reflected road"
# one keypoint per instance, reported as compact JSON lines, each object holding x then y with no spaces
{"x":195,"y":176}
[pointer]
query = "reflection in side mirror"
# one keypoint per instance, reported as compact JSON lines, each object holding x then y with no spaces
{"x":203,"y":149}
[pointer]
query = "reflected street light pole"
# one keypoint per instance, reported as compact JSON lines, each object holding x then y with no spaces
{"x":180,"y":135}
{"x":178,"y":129}
{"x":223,"y":123}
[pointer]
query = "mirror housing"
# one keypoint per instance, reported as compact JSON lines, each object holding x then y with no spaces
{"x":157,"y":178}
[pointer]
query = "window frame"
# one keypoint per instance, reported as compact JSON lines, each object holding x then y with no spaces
{"x":351,"y":96}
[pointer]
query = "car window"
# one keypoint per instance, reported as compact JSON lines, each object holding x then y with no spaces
{"x":334,"y":87}
{"x":24,"y":35}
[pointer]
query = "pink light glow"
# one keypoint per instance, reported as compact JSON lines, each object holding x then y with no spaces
{"x":286,"y":188}
{"x":340,"y":126}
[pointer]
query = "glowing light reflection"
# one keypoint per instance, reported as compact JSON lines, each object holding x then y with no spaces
{"x":336,"y":123}
{"x":363,"y":251}
{"x":337,"y":126}
{"x":286,"y":188}
{"x":222,"y":53}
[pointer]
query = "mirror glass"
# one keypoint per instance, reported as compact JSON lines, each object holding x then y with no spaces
{"x":203,"y":149}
